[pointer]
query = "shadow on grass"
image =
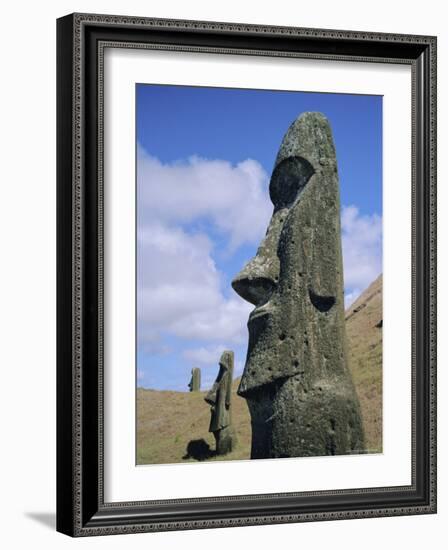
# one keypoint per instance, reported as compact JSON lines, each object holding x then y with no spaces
{"x":198,"y":449}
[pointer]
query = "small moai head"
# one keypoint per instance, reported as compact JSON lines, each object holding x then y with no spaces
{"x":220,"y":395}
{"x":195,"y":382}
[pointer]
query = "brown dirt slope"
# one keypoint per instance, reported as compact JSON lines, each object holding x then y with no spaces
{"x":169,"y":422}
{"x":364,"y":320}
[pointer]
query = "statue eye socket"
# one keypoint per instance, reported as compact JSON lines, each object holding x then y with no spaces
{"x":288,"y":180}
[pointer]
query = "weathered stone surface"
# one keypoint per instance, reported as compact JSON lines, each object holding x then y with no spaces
{"x":220,"y":400}
{"x":195,"y":382}
{"x":296,"y":381}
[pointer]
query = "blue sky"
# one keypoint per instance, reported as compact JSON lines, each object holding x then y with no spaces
{"x":204,"y":157}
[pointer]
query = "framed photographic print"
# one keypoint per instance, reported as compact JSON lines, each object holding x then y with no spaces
{"x":246,"y":274}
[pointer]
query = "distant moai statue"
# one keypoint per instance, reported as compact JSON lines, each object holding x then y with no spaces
{"x":296,"y":381}
{"x":195,"y":382}
{"x":220,"y":400}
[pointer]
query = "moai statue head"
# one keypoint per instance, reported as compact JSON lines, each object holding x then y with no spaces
{"x":220,"y":400}
{"x":296,"y":381}
{"x":195,"y":382}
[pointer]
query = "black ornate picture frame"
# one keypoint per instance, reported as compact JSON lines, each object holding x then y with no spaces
{"x":81,"y":508}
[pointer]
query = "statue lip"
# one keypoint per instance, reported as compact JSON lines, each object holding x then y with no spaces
{"x":258,"y":312}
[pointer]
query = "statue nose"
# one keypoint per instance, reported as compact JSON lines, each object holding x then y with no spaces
{"x":256,"y":282}
{"x":256,"y":290}
{"x":259,"y":277}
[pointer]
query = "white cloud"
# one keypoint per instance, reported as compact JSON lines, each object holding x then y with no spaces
{"x":233,"y":198}
{"x":362,"y":250}
{"x":175,"y":272}
{"x":180,"y":289}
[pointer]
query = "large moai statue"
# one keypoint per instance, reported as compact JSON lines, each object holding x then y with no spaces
{"x":220,"y":400}
{"x":195,"y":382}
{"x":296,"y":381}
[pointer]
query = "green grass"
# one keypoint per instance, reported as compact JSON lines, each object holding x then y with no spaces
{"x":167,"y":420}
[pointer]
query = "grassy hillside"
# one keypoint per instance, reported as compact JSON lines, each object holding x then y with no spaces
{"x":168,"y":422}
